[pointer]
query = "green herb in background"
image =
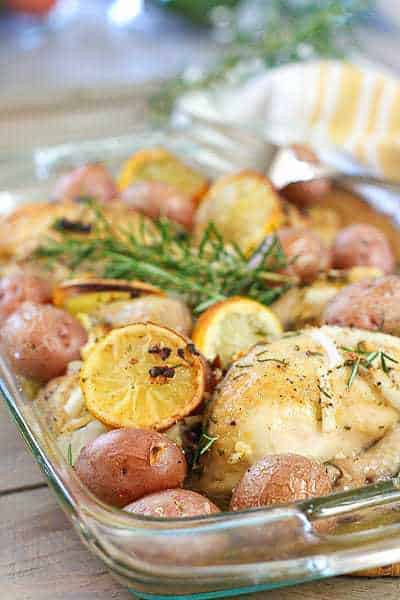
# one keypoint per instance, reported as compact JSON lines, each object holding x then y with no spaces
{"x":203,"y":273}
{"x":286,"y":31}
{"x":198,"y":11}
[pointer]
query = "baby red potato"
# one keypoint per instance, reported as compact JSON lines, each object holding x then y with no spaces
{"x":307,"y":252}
{"x":89,"y":181}
{"x":158,"y":199}
{"x":173,"y":504}
{"x":283,"y":479}
{"x":40,"y":340}
{"x":19,"y":287}
{"x":362,"y":245}
{"x":280,"y":479}
{"x":124,"y":465}
{"x":372,"y":304}
{"x":162,"y":310}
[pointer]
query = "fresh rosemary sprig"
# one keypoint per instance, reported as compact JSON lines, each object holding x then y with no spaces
{"x":361,"y":358}
{"x":162,"y":255}
{"x":205,"y":443}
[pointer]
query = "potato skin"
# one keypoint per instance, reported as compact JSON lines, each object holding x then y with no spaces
{"x":89,"y":181}
{"x":19,"y":287}
{"x":40,"y":340}
{"x":306,"y":193}
{"x":280,"y":479}
{"x":362,"y":245}
{"x":169,"y":312}
{"x":372,"y":304}
{"x":158,"y":199}
{"x":173,"y":504}
{"x":124,"y":465}
{"x":310,"y":256}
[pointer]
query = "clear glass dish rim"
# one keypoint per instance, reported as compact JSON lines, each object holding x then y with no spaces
{"x":66,"y":484}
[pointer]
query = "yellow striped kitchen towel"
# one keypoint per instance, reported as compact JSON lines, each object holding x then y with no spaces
{"x":354,"y":107}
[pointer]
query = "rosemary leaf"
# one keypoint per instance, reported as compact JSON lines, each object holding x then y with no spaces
{"x":276,"y":360}
{"x":69,"y":455}
{"x":354,"y":372}
{"x":210,"y":440}
{"x":324,"y":392}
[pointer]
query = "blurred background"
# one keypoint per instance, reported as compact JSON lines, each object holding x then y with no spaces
{"x":73,"y":69}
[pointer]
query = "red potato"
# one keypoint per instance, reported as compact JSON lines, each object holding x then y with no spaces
{"x":372,"y":304}
{"x":161,"y":310}
{"x":20,"y":287}
{"x":124,"y":465}
{"x":40,"y":340}
{"x":307,"y":251}
{"x":89,"y":181}
{"x":207,"y":548}
{"x":362,"y":246}
{"x":158,"y":199}
{"x":306,"y":193}
{"x":282,"y":479}
{"x":173,"y":504}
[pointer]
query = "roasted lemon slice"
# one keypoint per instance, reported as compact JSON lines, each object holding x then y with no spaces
{"x":86,"y":295}
{"x":233,"y":326}
{"x":244,"y":207}
{"x":157,"y":164}
{"x":143,"y":375}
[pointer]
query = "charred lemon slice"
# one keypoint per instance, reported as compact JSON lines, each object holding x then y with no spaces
{"x":86,"y":295}
{"x":244,"y":207}
{"x":143,"y":375}
{"x":157,"y":164}
{"x":233,"y":326}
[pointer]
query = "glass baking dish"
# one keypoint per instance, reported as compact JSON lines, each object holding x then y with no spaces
{"x":208,"y":557}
